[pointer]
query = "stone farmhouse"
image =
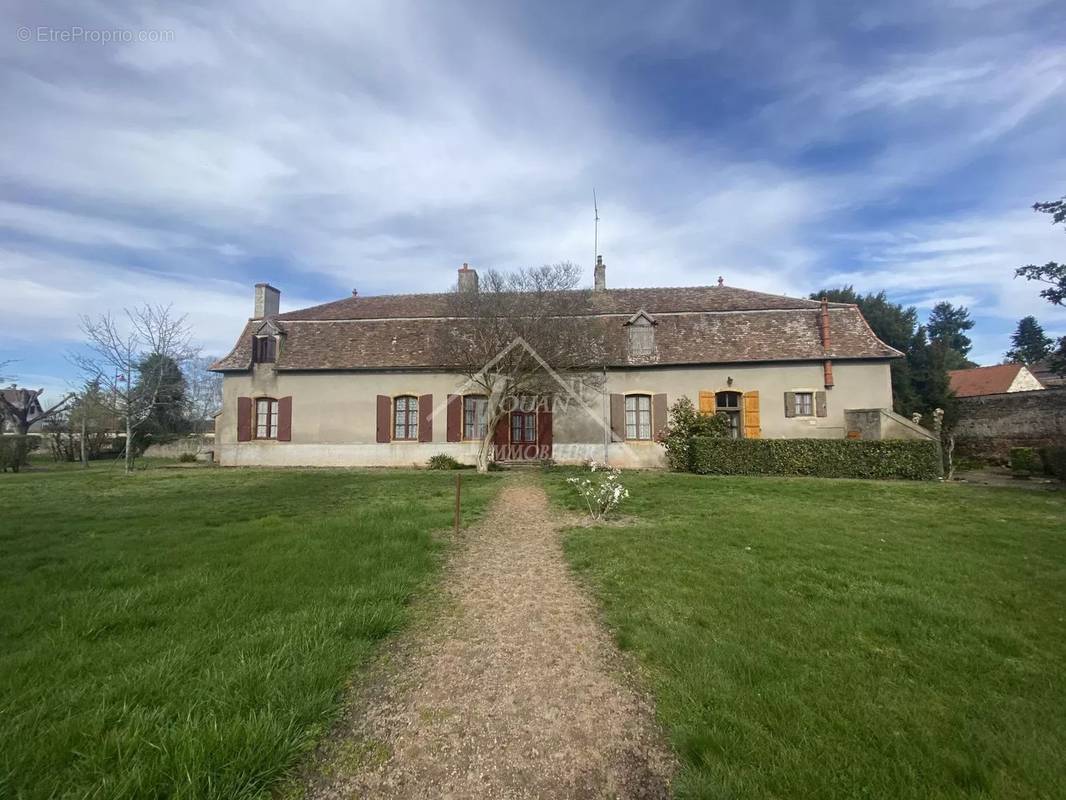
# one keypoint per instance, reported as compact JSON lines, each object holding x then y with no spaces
{"x":364,"y":380}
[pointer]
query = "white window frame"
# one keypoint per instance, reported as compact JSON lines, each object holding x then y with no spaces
{"x":638,"y":420}
{"x":798,"y":405}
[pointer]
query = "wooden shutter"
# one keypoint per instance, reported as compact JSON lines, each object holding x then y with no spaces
{"x":244,"y":419}
{"x":790,"y":404}
{"x":820,"y":404}
{"x":455,"y":418}
{"x":502,"y":434}
{"x":544,"y":426}
{"x":384,"y":421}
{"x":425,"y":418}
{"x":752,"y":429}
{"x":706,"y":402}
{"x":285,"y":419}
{"x":618,"y":417}
{"x":658,"y":415}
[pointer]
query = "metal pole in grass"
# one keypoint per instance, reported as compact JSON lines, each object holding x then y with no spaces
{"x":458,"y":499}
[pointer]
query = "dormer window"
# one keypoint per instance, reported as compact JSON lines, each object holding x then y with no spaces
{"x":641,"y":328}
{"x":264,"y":349}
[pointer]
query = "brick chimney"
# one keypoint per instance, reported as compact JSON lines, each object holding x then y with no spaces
{"x":599,"y":276}
{"x":467,"y":278}
{"x":267,"y":300}
{"x":823,"y":332}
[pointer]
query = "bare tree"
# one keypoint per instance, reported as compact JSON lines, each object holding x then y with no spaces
{"x":203,"y":391}
{"x":516,"y":334}
{"x":119,"y":349}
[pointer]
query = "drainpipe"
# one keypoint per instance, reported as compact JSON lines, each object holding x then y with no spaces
{"x":823,"y":330}
{"x":606,"y":420}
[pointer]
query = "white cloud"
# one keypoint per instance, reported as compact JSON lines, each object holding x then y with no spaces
{"x":379,"y":145}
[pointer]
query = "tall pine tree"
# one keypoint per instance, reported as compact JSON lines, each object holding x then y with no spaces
{"x":947,"y":326}
{"x":895,"y":326}
{"x":1029,"y":343}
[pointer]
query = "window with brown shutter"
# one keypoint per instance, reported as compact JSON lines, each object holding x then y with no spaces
{"x":475,"y":416}
{"x":425,"y":418}
{"x":618,"y":417}
{"x":244,"y":419}
{"x":384,"y":418}
{"x":266,"y":418}
{"x":455,"y":418}
{"x":405,"y":418}
{"x":264,"y":349}
{"x":659,"y":413}
{"x":285,"y":419}
{"x":638,"y":417}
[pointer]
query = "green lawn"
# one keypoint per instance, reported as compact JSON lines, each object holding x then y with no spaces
{"x":188,"y":632}
{"x":841,"y":639}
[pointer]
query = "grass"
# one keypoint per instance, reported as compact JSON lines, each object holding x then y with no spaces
{"x":843,"y":639}
{"x":188,"y":633}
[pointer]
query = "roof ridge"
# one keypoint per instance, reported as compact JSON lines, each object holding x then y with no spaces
{"x":802,"y":302}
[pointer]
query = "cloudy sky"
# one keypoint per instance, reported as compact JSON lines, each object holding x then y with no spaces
{"x":338,"y":145}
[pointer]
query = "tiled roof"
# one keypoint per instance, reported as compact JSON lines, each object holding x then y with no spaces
{"x":695,"y":325}
{"x":984,"y":380}
{"x":610,"y":301}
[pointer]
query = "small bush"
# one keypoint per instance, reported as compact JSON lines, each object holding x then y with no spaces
{"x":15,"y":451}
{"x":685,"y":424}
{"x":1024,"y":461}
{"x":1054,"y":461}
{"x":187,"y":458}
{"x":443,"y":461}
{"x":821,"y":458}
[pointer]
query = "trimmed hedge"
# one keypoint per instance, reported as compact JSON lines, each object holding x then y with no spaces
{"x":1054,"y":461}
{"x":1024,"y":461}
{"x":821,"y":458}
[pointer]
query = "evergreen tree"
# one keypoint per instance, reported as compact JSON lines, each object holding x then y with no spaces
{"x":948,"y":325}
{"x":1053,"y":274}
{"x":1029,"y":343}
{"x":895,"y":326}
{"x":167,"y":415}
{"x":932,"y":385}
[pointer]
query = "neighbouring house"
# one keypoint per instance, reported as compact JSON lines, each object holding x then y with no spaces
{"x":1000,"y":379}
{"x":1006,"y":406}
{"x":16,"y":396}
{"x":364,"y":380}
{"x":1043,"y":372}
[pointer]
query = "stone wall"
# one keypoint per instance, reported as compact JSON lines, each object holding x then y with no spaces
{"x":989,"y":426}
{"x":193,"y":443}
{"x":881,"y":423}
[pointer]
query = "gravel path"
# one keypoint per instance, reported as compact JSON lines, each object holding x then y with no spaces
{"x":512,"y":691}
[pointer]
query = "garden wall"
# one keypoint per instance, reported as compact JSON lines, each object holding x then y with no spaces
{"x":989,"y":426}
{"x":193,"y":443}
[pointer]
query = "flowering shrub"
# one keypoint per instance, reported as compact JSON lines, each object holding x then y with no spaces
{"x":685,"y":424}
{"x":603,"y":492}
